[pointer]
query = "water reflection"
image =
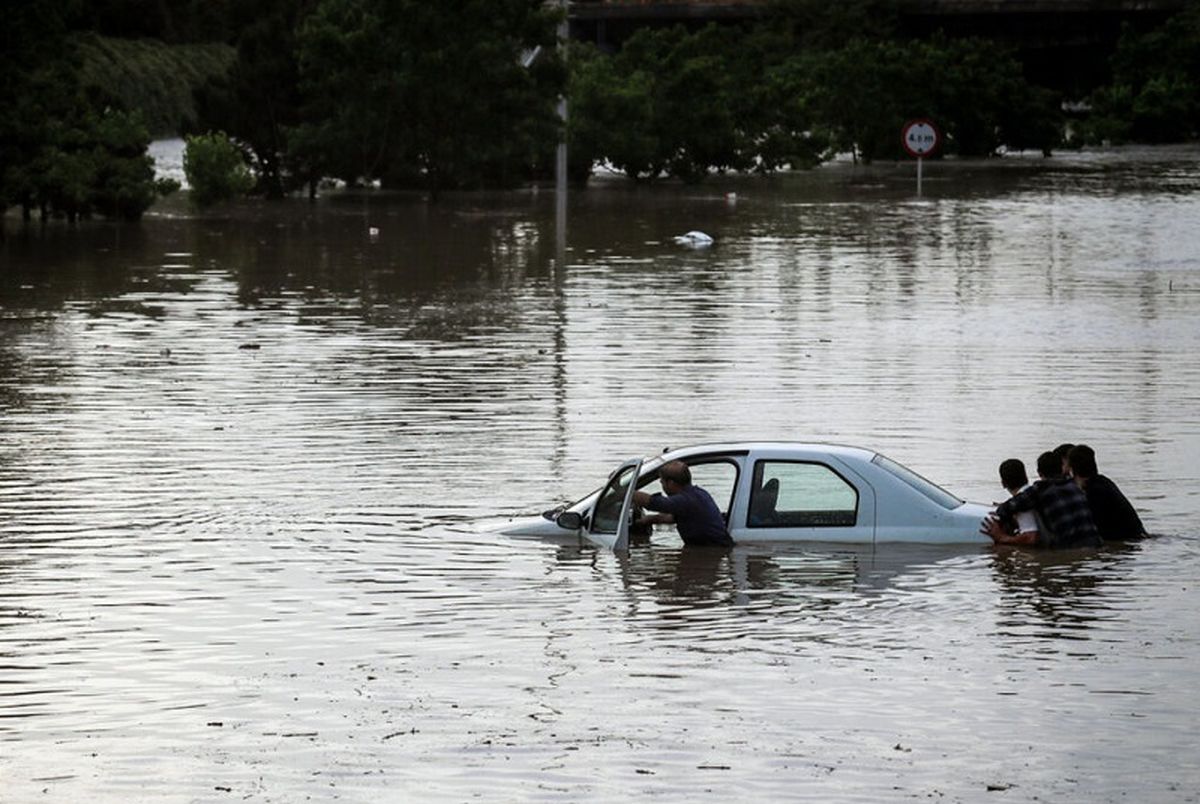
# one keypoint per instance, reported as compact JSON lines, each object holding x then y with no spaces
{"x":776,"y":580}
{"x":1055,"y":595}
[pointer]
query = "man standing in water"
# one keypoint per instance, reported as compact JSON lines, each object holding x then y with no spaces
{"x":1061,"y":505}
{"x":1115,"y":516}
{"x":689,"y":507}
{"x":1025,"y":529}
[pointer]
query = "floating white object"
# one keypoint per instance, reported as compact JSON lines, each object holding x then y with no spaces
{"x":694,"y":239}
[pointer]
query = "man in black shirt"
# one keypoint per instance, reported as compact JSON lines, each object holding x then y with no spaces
{"x":691,"y":508}
{"x":1114,"y":515}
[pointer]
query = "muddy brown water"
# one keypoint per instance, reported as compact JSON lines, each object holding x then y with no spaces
{"x":249,"y":462}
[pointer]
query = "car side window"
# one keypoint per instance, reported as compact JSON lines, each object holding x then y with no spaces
{"x":794,"y":494}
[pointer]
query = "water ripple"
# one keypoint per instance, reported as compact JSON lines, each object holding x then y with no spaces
{"x":246,"y":468}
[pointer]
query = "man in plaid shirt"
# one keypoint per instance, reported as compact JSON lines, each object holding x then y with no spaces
{"x":1061,"y":506}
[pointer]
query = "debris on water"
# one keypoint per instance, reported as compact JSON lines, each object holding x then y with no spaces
{"x":413,"y":730}
{"x":694,"y":239}
{"x":899,"y":747}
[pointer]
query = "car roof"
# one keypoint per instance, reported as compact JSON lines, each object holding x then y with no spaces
{"x":840,"y":450}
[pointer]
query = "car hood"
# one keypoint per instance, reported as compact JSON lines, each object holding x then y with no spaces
{"x":531,"y":526}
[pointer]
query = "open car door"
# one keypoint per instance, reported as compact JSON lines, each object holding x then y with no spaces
{"x":613,"y":513}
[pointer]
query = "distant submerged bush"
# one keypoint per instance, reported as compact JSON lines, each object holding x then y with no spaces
{"x":215,"y":169}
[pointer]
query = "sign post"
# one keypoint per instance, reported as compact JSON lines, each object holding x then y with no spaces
{"x":920,"y":138}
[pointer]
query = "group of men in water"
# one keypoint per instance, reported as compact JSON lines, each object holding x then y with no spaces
{"x":1070,"y":504}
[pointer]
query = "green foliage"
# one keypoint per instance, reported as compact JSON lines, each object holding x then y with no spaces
{"x":257,"y":101}
{"x":437,"y":93}
{"x":155,"y":78}
{"x":684,"y":104}
{"x":975,"y":91}
{"x":65,"y":150}
{"x":215,"y":170}
{"x":30,"y":31}
{"x":611,"y":116}
{"x":97,"y":163}
{"x":1155,"y":93}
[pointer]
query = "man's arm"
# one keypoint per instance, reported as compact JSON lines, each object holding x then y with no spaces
{"x":1024,"y":500}
{"x":663,"y":503}
{"x":642,"y":499}
{"x":992,"y":528}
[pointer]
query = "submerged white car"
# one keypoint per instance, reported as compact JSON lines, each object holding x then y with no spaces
{"x":781,"y":492}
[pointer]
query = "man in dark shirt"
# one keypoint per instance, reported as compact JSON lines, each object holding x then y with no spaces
{"x":1115,"y":516}
{"x":691,"y":508}
{"x":1061,"y":505}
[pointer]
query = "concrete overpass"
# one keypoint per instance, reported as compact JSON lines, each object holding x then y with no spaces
{"x":1063,"y":43}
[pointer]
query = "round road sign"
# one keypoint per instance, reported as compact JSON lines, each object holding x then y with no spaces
{"x":920,"y":137}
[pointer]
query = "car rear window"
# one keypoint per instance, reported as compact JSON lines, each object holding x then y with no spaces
{"x":931,"y":490}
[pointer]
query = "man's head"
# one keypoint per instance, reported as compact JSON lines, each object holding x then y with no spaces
{"x":1049,"y":465}
{"x":1083,"y":462}
{"x":1012,"y":474}
{"x":675,"y":476}
{"x":1062,"y":451}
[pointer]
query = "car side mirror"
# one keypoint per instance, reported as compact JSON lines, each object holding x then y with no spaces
{"x":571,"y":520}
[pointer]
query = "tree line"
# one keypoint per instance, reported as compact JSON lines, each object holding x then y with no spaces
{"x":463,"y":94}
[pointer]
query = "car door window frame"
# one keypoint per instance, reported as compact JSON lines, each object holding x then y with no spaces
{"x":756,"y":486}
{"x":706,"y":460}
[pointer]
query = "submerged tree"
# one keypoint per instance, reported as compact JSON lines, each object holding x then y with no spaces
{"x":258,"y":101}
{"x":866,"y":90}
{"x":215,"y":170}
{"x":685,"y":103}
{"x":1155,"y":93}
{"x":65,"y":148}
{"x":449,"y":94}
{"x":31,"y":35}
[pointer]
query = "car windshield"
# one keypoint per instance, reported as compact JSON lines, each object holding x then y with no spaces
{"x":931,"y":490}
{"x":648,"y":474}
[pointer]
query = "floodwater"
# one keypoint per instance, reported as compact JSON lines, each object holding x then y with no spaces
{"x":249,"y":461}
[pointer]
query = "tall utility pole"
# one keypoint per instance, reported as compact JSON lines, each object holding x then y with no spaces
{"x":560,"y":162}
